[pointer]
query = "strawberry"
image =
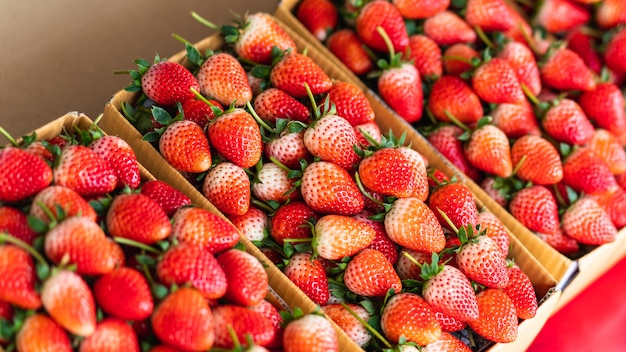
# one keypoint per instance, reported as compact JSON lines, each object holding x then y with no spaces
{"x":85,"y":244}
{"x":446,"y":343}
{"x":610,"y":13}
{"x":604,"y":105}
{"x":488,"y":150}
{"x":290,"y":221}
{"x":456,"y":201}
{"x":608,"y":148}
{"x":614,"y":53}
{"x":542,"y":163}
{"x":40,"y":333}
{"x":381,"y":241}
{"x":410,"y":262}
{"x":515,"y":120}
{"x":346,"y":45}
{"x":588,"y":223}
{"x":273,"y":103}
{"x":237,"y":137}
{"x":536,"y":208}
{"x":449,"y":324}
{"x":137,"y":217}
{"x":448,"y":28}
{"x":112,"y":334}
{"x":61,"y":202}
{"x":69,"y":301}
{"x":480,"y":258}
{"x":522,"y":61}
{"x":520,"y":290}
{"x":200,"y":112}
{"x":583,"y":44}
{"x":124,"y":293}
{"x":495,"y":81}
{"x":418,"y":165}
{"x":449,"y":291}
{"x":227,"y":186}
{"x":163,"y":348}
{"x":356,"y":331}
{"x":338,"y":236}
{"x":168,"y":197}
{"x":410,"y":216}
{"x":293,"y":70}
{"x":15,"y":223}
{"x":423,"y":9}
{"x":563,"y":243}
{"x":400,"y":86}
{"x":200,"y":226}
{"x":120,"y":157}
{"x":489,"y":15}
{"x":566,"y":122}
{"x":450,"y":95}
{"x":494,"y":229}
{"x":320,"y":17}
{"x":19,"y":166}
{"x":18,"y":277}
{"x":309,"y":275}
{"x":193,"y":264}
{"x":244,"y":322}
{"x":253,"y":225}
{"x":410,"y":316}
{"x":221,"y":77}
{"x":246,"y":277}
{"x":269,"y":311}
{"x":310,"y":333}
{"x":382,"y":14}
{"x":184,"y":320}
{"x":165,"y":82}
{"x":388,"y":172}
{"x":585,"y":172}
{"x":561,"y":15}
{"x":565,"y":70}
{"x":491,"y":186}
{"x":328,"y":188}
{"x":458,"y":58}
{"x":445,"y":139}
{"x":185,"y":146}
{"x":497,"y":320}
{"x":288,"y":148}
{"x":426,"y":55}
{"x":614,"y":203}
{"x":351,"y":103}
{"x":370,"y":274}
{"x":272,"y":183}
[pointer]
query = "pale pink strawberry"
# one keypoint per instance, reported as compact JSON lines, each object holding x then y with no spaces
{"x":272,"y":183}
{"x":481,"y":260}
{"x":338,"y":236}
{"x":448,"y":290}
{"x":121,"y":157}
{"x":332,"y":138}
{"x":227,"y":186}
{"x":288,"y":149}
{"x":355,"y":330}
{"x":253,"y":225}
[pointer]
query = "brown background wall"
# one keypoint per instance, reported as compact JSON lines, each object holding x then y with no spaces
{"x":59,"y":56}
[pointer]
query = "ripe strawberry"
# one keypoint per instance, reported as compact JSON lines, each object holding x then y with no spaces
{"x":346,"y":45}
{"x":273,"y":103}
{"x":272,"y":183}
{"x":244,"y":322}
{"x":246,"y":277}
{"x":137,"y":217}
{"x":328,"y":188}
{"x":458,"y":58}
{"x":310,"y":276}
{"x":331,"y":138}
{"x":488,"y":150}
{"x":494,"y":229}
{"x":269,"y":311}
{"x":515,"y":120}
{"x":356,"y":331}
{"x":489,"y":15}
{"x":112,"y":334}
{"x":480,"y":258}
{"x":61,"y":202}
{"x":23,"y":174}
{"x":289,"y":221}
{"x":585,"y":172}
{"x":221,"y":77}
{"x":410,"y":316}
{"x":566,"y":122}
{"x":588,"y":223}
{"x":293,"y":70}
{"x":253,"y":225}
{"x":200,"y":112}
{"x":448,"y":28}
{"x":422,"y":9}
{"x":120,"y":157}
{"x":456,"y":200}
{"x":495,"y":81}
{"x":310,"y":333}
{"x":583,"y":44}
{"x":85,"y":244}
{"x":168,"y":197}
{"x":418,"y":165}
{"x":445,"y":140}
{"x":610,"y":13}
{"x":566,"y":70}
{"x":400,"y":86}
{"x":82,"y":170}
{"x":449,"y":291}
{"x":522,"y":61}
{"x":497,"y":320}
{"x":69,"y":301}
{"x":185,"y":146}
{"x":338,"y":236}
{"x":446,"y":343}
{"x":542,"y":163}
{"x":237,"y":137}
{"x":351,"y":103}
{"x":320,"y":17}
{"x":370,"y":274}
{"x":449,"y":324}
{"x":614,"y":53}
{"x":200,"y":226}
{"x":288,"y":148}
{"x":388,"y":172}
{"x":227,"y":186}
{"x":124,"y":293}
{"x":402,"y":228}
{"x":561,"y":15}
{"x":18,"y":277}
{"x":604,"y":105}
{"x":193,"y":264}
{"x":608,"y":148}
{"x":15,"y":223}
{"x":520,"y":290}
{"x":383,"y":14}
{"x":40,"y":333}
{"x":381,"y":241}
{"x":166,"y":82}
{"x":184,"y":320}
{"x":536,"y":208}
{"x":406,"y":266}
{"x":450,"y":95}
{"x":426,"y":56}
{"x":491,"y":186}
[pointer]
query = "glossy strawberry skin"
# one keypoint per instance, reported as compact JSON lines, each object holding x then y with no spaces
{"x":121,"y":157}
{"x":111,"y":334}
{"x":522,"y":293}
{"x":200,"y":226}
{"x":53,"y":198}
{"x":185,"y":146}
{"x":41,"y":333}
{"x":347,"y":47}
{"x":409,"y":315}
{"x":20,"y":165}
{"x":295,"y":69}
{"x":401,"y":227}
{"x":246,"y":277}
{"x":167,"y":83}
{"x":124,"y":293}
{"x":386,"y":15}
{"x":18,"y":278}
{"x":320,"y":17}
{"x":370,"y":274}
{"x":338,"y":236}
{"x":168,"y":197}
{"x":259,"y":35}
{"x":236,"y":135}
{"x":497,"y":318}
{"x":401,"y":88}
{"x":312,"y":333}
{"x":15,"y":223}
{"x":536,"y":208}
{"x":227,"y":186}
{"x":328,"y":188}
{"x":137,"y":217}
{"x":456,"y":201}
{"x":221,"y":77}
{"x":244,"y":321}
{"x":273,"y":103}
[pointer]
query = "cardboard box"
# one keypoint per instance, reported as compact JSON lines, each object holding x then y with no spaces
{"x":115,"y":123}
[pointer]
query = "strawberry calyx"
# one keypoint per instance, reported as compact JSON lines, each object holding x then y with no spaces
{"x":387,"y":141}
{"x":142,"y":67}
{"x":395,"y":59}
{"x":369,"y":327}
{"x":164,"y":119}
{"x":324,"y":109}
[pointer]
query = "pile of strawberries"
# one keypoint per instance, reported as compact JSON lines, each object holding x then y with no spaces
{"x":93,"y":258}
{"x":525,"y":99}
{"x":392,"y":250}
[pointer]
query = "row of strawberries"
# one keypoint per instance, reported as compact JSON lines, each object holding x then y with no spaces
{"x":297,"y":162}
{"x":93,"y":258}
{"x":534,"y":114}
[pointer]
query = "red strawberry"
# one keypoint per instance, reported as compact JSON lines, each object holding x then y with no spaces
{"x":401,"y":226}
{"x":458,"y":58}
{"x":585,"y":172}
{"x":185,"y":146}
{"x":18,"y":277}
{"x":489,"y":15}
{"x":166,"y":82}
{"x":193,"y":264}
{"x":449,"y":324}
{"x":137,"y":217}
{"x":273,"y":103}
{"x":351,"y":103}
{"x":112,"y":334}
{"x":23,"y":174}
{"x":237,"y":137}
{"x":614,"y":204}
{"x":456,"y":201}
{"x":515,"y":120}
{"x":258,"y":35}
{"x":388,"y":172}
{"x":288,"y":148}
{"x":320,"y":17}
{"x":124,"y":293}
{"x":585,"y":46}
{"x":497,"y":319}
{"x":614,"y":54}
{"x":400,"y":86}
{"x":309,"y":275}
{"x":293,"y":70}
{"x":406,"y":266}
{"x":426,"y":55}
{"x":253,"y":225}
{"x":246,"y":277}
{"x":610,"y":13}
{"x":566,"y":122}
{"x":184,"y":320}
{"x":272,"y":183}
{"x":446,"y":343}
{"x":449,"y":291}
{"x":566,"y":70}
{"x":450,"y":95}
{"x":536,"y":208}
{"x":605,"y":106}
{"x":495,"y":81}
{"x":418,"y":163}
{"x":542,"y":163}
{"x":522,"y":61}
{"x":608,"y":148}
{"x":338,"y":236}
{"x":271,"y":312}
{"x":561,"y":15}
{"x":244,"y":322}
{"x":15,"y":223}
{"x":200,"y":226}
{"x":331,"y":138}
{"x":121,"y":158}
{"x":168,"y":197}
{"x":410,"y":316}
{"x":370,"y":274}
{"x":563,"y":243}
{"x":227,"y":186}
{"x":520,"y":290}
{"x":200,"y":112}
{"x":421,"y":9}
{"x":290,"y":221}
{"x":69,"y":301}
{"x":383,"y":14}
{"x":310,"y":333}
{"x":221,"y":77}
{"x":588,"y":223}
{"x":328,"y":188}
{"x":480,"y":258}
{"x":447,"y":28}
{"x":348,"y":323}
{"x":348,"y":48}
{"x":488,"y":150}
{"x":495,"y":229}
{"x":445,"y":140}
{"x":40,"y":333}
{"x":55,"y":198}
